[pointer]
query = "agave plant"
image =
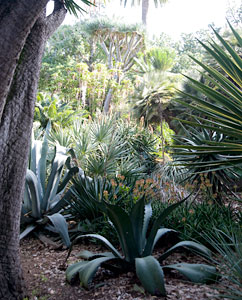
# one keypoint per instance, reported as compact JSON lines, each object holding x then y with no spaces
{"x":137,"y":247}
{"x":43,"y":198}
{"x":220,"y":102}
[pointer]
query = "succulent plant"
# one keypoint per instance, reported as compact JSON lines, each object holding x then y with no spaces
{"x":137,"y":247}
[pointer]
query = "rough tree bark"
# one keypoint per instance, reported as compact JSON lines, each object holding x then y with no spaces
{"x":24,"y":30}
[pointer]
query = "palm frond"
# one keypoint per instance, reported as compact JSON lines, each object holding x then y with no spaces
{"x":73,"y":8}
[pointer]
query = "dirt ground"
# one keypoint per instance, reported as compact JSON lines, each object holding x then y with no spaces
{"x":44,"y":273}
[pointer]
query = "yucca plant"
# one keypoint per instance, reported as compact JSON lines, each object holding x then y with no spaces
{"x":220,"y":102}
{"x":43,"y":198}
{"x":107,"y":146}
{"x":137,"y":247}
{"x":197,"y":171}
{"x":86,"y":193}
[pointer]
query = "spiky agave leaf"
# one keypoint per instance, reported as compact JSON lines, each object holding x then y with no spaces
{"x":196,"y":247}
{"x":156,"y":226}
{"x":102,"y":239}
{"x":198,"y":273}
{"x":88,"y":270}
{"x":61,"y":227}
{"x":88,"y":255}
{"x":32,"y":189}
{"x":55,"y":175}
{"x":124,"y":228}
{"x":137,"y":217}
{"x":151,"y":275}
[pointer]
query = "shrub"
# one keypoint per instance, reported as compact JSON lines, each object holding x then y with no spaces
{"x":192,"y":218}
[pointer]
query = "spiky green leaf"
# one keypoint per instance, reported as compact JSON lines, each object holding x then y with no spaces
{"x":87,"y":271}
{"x":61,"y":227}
{"x":156,"y":226}
{"x":103,"y":240}
{"x":124,"y":228}
{"x":195,"y":247}
{"x":32,"y":185}
{"x":198,"y":273}
{"x":151,"y":275}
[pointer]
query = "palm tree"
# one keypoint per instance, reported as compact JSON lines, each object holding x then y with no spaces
{"x":145,"y":7}
{"x":157,"y":85}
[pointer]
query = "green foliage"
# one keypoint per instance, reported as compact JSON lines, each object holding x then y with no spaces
{"x":198,"y":172}
{"x":74,"y":83}
{"x":74,"y":8}
{"x":108,"y":146}
{"x":44,"y":196}
{"x":98,"y":25}
{"x":85,"y":194}
{"x":154,"y":59}
{"x":155,"y":87}
{"x":51,"y":108}
{"x":191,"y":219}
{"x":184,"y":48}
{"x":168,"y":133}
{"x":228,"y":244}
{"x":153,"y":96}
{"x":119,"y":190}
{"x":81,"y":68}
{"x":137,"y":247}
{"x":220,"y":102}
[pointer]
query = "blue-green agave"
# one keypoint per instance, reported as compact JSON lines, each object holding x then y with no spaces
{"x":137,"y":247}
{"x":43,"y":198}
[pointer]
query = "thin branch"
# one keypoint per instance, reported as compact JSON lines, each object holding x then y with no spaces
{"x":54,"y":20}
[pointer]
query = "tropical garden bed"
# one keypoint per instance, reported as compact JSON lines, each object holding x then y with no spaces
{"x":122,"y":187}
{"x":44,"y":273}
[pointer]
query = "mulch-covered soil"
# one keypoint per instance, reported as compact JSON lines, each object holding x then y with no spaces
{"x":44,"y":273}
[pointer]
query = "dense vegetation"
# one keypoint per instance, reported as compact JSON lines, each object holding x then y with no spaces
{"x":119,"y":134}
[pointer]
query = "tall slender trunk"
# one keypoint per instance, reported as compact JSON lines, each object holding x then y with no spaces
{"x":107,"y":101}
{"x":15,"y":131}
{"x":145,"y":9}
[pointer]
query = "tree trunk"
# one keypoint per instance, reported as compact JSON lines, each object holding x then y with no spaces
{"x":16,"y":118}
{"x":16,"y":20}
{"x":107,"y":101}
{"x":145,"y":9}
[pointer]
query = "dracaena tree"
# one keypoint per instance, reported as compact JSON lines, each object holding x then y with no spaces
{"x":24,"y":30}
{"x":120,"y":44}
